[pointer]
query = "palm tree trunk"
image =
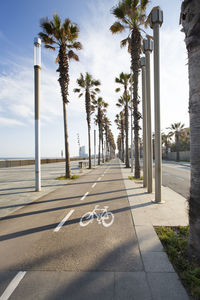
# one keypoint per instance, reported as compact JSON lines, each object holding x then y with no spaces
{"x":194,"y":105}
{"x":99,"y":157}
{"x":126,"y":128}
{"x":177,"y":148}
{"x":88,"y":113}
{"x":67,"y":157}
{"x":102,"y":147}
{"x":135,"y":57}
{"x":63,"y":70}
{"x":89,"y":147}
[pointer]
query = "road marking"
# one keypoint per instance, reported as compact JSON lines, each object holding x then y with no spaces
{"x":64,"y":220}
{"x":102,"y":175}
{"x":84,"y":196}
{"x":94,"y":185}
{"x":12,"y":285}
{"x":179,"y":178}
{"x":99,"y":179}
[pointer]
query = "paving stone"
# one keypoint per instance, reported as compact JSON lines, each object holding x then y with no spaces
{"x":156,"y":262}
{"x":132,"y":285}
{"x":166,"y":286}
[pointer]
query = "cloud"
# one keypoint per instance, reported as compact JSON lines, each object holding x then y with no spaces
{"x":10,"y":122}
{"x":104,"y":59}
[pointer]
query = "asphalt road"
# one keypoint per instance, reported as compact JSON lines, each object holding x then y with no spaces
{"x":176,"y":177}
{"x":45,"y":253}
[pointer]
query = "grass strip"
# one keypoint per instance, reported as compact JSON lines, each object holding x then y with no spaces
{"x":65,"y":178}
{"x":174,"y":241}
{"x":134,"y":178}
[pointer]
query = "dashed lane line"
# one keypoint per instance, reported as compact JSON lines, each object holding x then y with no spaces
{"x":12,"y":285}
{"x":64,"y":220}
{"x":94,"y":185}
{"x":84,"y":196}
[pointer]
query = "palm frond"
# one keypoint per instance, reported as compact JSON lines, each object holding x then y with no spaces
{"x":80,"y":95}
{"x":117,"y":27}
{"x":57,"y":21}
{"x":46,"y":39}
{"x":72,"y":55}
{"x":46,"y":25}
{"x":76,"y":90}
{"x":124,"y":42}
{"x":118,"y":12}
{"x":50,"y":47}
{"x":117,"y":90}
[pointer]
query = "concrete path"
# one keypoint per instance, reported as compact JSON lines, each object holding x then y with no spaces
{"x":48,"y":251}
{"x":17,"y":184}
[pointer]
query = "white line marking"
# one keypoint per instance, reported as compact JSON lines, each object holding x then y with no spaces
{"x":99,"y":179}
{"x":12,"y":285}
{"x":102,"y":175}
{"x":179,"y":178}
{"x":84,"y":196}
{"x":64,"y":220}
{"x":94,"y":185}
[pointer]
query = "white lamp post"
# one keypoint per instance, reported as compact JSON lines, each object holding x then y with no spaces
{"x":37,"y":68}
{"x":144,"y":113}
{"x":156,"y":21}
{"x":95,"y":147}
{"x":148,"y":48}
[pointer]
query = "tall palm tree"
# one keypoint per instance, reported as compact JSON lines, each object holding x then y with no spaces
{"x":166,"y":138}
{"x":121,"y":126}
{"x":89,"y":87}
{"x":63,"y":37}
{"x":101,"y":106}
{"x":131,"y":16}
{"x":190,"y":16}
{"x":123,"y":79}
{"x":106,"y":125}
{"x":177,"y":131}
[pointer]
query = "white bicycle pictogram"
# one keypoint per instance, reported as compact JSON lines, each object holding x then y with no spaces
{"x":105,"y":217}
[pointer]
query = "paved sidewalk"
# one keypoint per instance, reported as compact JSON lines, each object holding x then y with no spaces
{"x":17,"y":184}
{"x":161,"y":277}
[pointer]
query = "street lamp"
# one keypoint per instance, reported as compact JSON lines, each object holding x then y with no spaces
{"x":144,"y":111}
{"x":156,"y":20}
{"x":37,"y":68}
{"x":148,"y":48}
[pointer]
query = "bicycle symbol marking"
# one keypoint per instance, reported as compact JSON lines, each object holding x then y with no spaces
{"x":105,"y":217}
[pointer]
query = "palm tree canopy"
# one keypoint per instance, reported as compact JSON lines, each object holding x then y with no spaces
{"x":176,"y":129}
{"x":87,"y":83}
{"x":131,"y":14}
{"x":55,"y":34}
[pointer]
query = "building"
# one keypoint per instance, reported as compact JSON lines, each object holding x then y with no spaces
{"x":82,"y":152}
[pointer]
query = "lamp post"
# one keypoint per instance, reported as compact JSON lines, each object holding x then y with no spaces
{"x":148,"y":48}
{"x":144,"y":112}
{"x":156,"y":20}
{"x":95,"y":147}
{"x":37,"y":68}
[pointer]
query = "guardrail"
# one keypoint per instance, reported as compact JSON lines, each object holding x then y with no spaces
{"x":26,"y":162}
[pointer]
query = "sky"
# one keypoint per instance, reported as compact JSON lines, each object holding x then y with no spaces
{"x":101,"y":56}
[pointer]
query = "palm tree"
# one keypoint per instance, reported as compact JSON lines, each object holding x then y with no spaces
{"x":131,"y":14}
{"x":89,"y":87}
{"x":190,"y":15}
{"x":124,"y":80}
{"x":64,"y":38}
{"x":166,"y":138}
{"x":101,"y":106}
{"x":176,"y":130}
{"x":106,"y":125}
{"x":121,"y":126}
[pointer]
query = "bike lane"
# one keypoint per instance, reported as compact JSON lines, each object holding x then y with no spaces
{"x":89,"y":257}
